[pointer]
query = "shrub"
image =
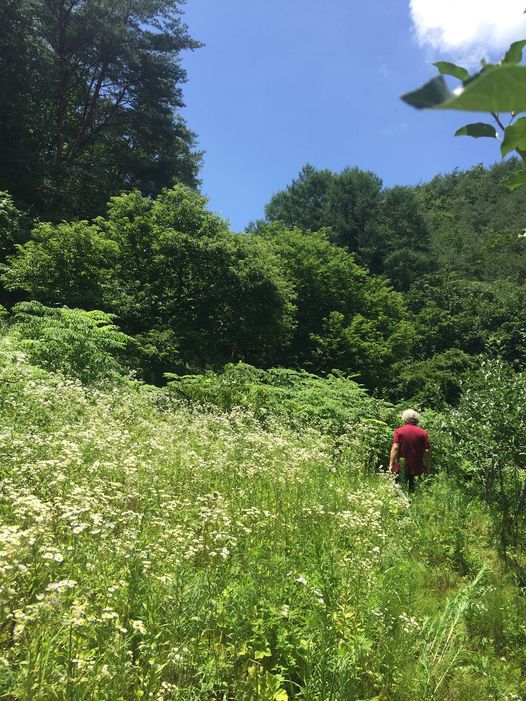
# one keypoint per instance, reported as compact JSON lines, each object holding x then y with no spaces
{"x":80,"y":344}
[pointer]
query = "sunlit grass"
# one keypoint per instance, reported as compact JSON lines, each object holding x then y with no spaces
{"x":150,"y":549}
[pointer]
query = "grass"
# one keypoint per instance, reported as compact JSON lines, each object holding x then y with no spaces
{"x":151,"y":548}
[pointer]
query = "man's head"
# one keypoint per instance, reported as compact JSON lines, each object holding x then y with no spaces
{"x":410,"y":416}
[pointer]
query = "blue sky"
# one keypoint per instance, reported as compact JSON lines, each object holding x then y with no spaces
{"x":281,"y":83}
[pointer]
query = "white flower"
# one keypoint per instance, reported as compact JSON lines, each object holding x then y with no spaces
{"x":109,"y":615}
{"x":62,"y":585}
{"x":138,"y":626}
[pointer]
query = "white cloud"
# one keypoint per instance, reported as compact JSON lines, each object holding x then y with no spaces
{"x":468,"y":29}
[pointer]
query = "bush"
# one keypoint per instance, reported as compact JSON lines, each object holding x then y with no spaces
{"x":80,"y":344}
{"x":436,"y":382}
{"x":68,"y":263}
{"x":483,"y":441}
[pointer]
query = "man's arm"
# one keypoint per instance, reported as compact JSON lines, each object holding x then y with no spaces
{"x":393,"y":458}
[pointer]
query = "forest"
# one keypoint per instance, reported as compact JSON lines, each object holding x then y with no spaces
{"x":196,"y":423}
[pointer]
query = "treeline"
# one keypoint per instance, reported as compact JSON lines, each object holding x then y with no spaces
{"x":195,"y":296}
{"x":452,"y":246}
{"x":404,"y":288}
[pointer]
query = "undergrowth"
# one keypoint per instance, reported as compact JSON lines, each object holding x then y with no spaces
{"x":153,"y":547}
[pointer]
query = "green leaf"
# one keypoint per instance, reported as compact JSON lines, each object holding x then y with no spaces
{"x":476,"y":130}
{"x":429,"y":95}
{"x":514,"y":137}
{"x":514,"y":53}
{"x":446,"y":68}
{"x":494,"y":89}
{"x":515,"y":180}
{"x":281,"y":695}
{"x":261,"y":654}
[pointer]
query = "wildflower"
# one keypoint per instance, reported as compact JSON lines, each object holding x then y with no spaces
{"x":78,"y":614}
{"x":175,"y":655}
{"x":62,"y":585}
{"x":138,"y":626}
{"x":409,"y":623}
{"x":52,"y":554}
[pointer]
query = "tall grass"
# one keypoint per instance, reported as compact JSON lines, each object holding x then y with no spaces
{"x":151,"y":548}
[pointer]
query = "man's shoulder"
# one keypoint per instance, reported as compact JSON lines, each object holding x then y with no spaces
{"x":411,"y":429}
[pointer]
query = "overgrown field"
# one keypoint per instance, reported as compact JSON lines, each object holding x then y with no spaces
{"x":157,"y":547}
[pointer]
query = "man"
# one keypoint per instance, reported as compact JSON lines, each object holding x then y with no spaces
{"x":412,"y":444}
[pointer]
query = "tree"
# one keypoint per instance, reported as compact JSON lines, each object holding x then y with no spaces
{"x":402,"y":241}
{"x":192,"y":293}
{"x":89,"y":99}
{"x":343,"y":202}
{"x":224,"y":296}
{"x":346,"y":319}
{"x":472,"y":316}
{"x":70,"y":263}
{"x":473,"y":221}
{"x":12,"y":226}
{"x":18,"y":98}
{"x":435,"y":382}
{"x":384,"y":229}
{"x":303,"y":204}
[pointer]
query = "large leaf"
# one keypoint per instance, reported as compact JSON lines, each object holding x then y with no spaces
{"x":447,"y":68}
{"x":433,"y":93}
{"x":477,"y":130}
{"x":515,"y":180}
{"x":514,"y":137}
{"x":494,"y":89}
{"x":514,"y":53}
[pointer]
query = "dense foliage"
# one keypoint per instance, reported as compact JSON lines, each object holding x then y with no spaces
{"x":83,"y":345}
{"x":474,"y":223}
{"x":90,"y":98}
{"x":385,"y":229}
{"x":195,"y":295}
{"x":345,"y":318}
{"x":459,"y":240}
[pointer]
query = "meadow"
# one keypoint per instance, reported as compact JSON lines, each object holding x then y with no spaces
{"x":195,"y":423}
{"x":156,"y":545}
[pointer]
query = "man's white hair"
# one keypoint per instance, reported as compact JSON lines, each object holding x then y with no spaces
{"x":410,"y":416}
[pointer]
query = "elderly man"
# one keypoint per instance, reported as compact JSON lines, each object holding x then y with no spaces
{"x":411,"y":443}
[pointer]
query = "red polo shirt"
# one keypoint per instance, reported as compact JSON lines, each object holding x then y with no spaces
{"x":412,"y":444}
